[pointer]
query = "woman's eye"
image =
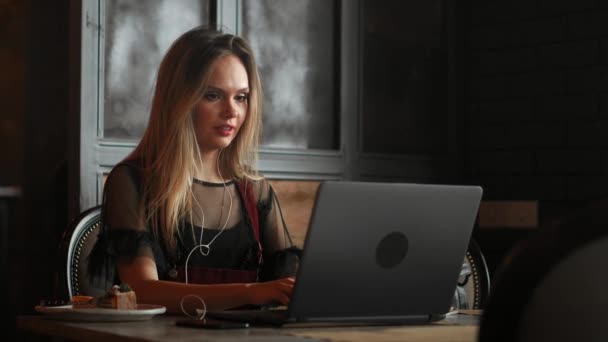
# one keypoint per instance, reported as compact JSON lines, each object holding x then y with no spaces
{"x":211,"y":96}
{"x":242,"y":97}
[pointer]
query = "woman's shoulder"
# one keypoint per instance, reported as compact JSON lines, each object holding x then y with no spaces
{"x":125,"y":172}
{"x":255,"y":182}
{"x":134,"y":165}
{"x":259,"y":186}
{"x":129,"y":166}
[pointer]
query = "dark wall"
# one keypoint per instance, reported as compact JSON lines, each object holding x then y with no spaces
{"x":33,"y":147}
{"x":537,"y":108}
{"x":538,"y":101}
{"x":13,"y":27}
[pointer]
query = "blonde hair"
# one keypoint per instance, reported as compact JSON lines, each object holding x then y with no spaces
{"x":168,"y":151}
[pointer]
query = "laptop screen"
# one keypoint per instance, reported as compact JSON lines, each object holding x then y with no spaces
{"x":383,"y":250}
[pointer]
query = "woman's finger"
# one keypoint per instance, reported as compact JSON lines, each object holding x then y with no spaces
{"x":283,"y":299}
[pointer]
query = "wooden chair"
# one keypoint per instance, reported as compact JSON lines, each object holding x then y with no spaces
{"x":77,"y":243}
{"x":474,"y":282}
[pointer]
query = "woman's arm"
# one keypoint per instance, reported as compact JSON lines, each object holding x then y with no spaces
{"x":140,"y":273}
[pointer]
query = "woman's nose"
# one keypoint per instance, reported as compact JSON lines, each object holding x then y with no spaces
{"x":231,"y":109}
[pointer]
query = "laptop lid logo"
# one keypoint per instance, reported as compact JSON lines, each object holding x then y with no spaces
{"x":391,"y":250}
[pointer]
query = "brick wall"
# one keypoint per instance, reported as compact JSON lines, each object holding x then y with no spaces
{"x":537,"y":113}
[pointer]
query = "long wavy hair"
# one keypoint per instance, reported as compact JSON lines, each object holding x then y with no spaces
{"x":168,"y":151}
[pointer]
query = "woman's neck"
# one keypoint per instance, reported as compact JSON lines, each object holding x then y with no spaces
{"x":208,"y":172}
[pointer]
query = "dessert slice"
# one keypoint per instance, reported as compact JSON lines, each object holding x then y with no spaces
{"x":118,"y":297}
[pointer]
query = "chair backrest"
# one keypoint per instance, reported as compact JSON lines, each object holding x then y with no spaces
{"x":79,"y":240}
{"x":474,"y":282}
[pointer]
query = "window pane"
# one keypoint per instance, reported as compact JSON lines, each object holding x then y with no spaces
{"x":405,"y":104}
{"x":295,"y":43}
{"x":137,"y":34}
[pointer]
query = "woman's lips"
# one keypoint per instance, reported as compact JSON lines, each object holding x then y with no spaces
{"x":224,"y":131}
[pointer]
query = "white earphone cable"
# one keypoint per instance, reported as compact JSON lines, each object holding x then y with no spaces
{"x":204,"y":248}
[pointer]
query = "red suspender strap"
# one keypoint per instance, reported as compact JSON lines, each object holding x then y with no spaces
{"x":252,"y":212}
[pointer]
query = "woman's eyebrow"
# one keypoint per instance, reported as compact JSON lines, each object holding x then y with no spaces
{"x":212,"y":87}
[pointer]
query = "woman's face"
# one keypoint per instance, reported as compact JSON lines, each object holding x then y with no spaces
{"x":220,"y":112}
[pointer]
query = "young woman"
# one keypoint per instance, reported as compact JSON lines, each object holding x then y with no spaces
{"x":186,"y":213}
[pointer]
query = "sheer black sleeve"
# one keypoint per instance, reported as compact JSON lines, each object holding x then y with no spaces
{"x":124,"y":234}
{"x":281,"y":256}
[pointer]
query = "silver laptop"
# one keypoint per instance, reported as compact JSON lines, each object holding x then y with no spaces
{"x":378,"y":253}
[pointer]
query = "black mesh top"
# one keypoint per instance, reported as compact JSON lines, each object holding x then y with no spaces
{"x":125,"y":234}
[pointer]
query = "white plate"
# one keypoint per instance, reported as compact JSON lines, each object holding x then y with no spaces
{"x":67,"y":312}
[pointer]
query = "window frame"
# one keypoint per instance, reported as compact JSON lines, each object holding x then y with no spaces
{"x":97,"y":155}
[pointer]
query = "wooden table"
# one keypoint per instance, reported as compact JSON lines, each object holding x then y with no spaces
{"x":455,"y":328}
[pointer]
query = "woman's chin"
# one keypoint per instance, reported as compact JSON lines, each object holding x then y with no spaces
{"x":215,"y":146}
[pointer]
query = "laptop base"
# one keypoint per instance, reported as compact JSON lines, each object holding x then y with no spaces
{"x":281,"y":318}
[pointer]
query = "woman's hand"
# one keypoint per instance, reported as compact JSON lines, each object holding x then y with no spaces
{"x":271,"y":292}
